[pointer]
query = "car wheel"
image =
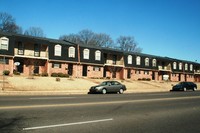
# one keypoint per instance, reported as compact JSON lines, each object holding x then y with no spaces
{"x":194,"y":89}
{"x":121,"y":91}
{"x":184,"y":89}
{"x":104,"y":91}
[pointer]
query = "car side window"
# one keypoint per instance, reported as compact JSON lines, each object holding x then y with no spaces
{"x":116,"y":83}
{"x":109,"y":83}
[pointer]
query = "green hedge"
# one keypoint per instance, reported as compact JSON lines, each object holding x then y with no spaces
{"x":144,"y":79}
{"x":62,"y":75}
{"x":6,"y":72}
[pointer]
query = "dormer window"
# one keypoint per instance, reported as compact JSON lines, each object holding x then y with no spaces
{"x":146,"y":61}
{"x":98,"y":55}
{"x":86,"y":53}
{"x":191,"y":67}
{"x":180,"y":66}
{"x":174,"y":65}
{"x":57,"y":50}
{"x":138,"y":60}
{"x":186,"y":66}
{"x":4,"y":43}
{"x":154,"y":62}
{"x":71,"y":52}
{"x":129,"y":59}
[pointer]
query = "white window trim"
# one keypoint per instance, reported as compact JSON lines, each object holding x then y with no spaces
{"x":98,"y":55}
{"x":138,"y":60}
{"x":71,"y":52}
{"x":57,"y":50}
{"x":86,"y":54}
{"x":174,"y":66}
{"x":154,"y":63}
{"x":180,"y":66}
{"x":146,"y":61}
{"x":186,"y":66}
{"x":191,"y":67}
{"x":130,"y":58}
{"x":4,"y":43}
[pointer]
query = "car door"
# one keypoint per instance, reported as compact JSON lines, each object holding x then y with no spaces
{"x":189,"y":85}
{"x":109,"y":87}
{"x":116,"y":86}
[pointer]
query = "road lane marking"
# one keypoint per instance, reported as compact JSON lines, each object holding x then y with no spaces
{"x":67,"y":124}
{"x":97,"y":103}
{"x":49,"y":98}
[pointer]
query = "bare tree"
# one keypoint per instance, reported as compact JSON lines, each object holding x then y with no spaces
{"x":71,"y":37}
{"x":7,"y":24}
{"x":34,"y":31}
{"x":103,"y":40}
{"x":128,"y":43}
{"x":87,"y":37}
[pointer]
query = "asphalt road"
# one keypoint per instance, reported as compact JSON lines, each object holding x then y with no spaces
{"x":173,"y":112}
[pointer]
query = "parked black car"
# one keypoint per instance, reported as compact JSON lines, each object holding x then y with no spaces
{"x":108,"y":87}
{"x":184,"y":86}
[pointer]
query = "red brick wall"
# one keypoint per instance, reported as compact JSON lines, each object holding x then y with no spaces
{"x":94,"y":73}
{"x":139,"y":74}
{"x":8,"y":66}
{"x":57,"y":70}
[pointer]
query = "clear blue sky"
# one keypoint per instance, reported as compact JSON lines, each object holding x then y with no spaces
{"x":161,"y":27}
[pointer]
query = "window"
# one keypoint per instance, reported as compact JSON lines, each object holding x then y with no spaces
{"x":191,"y":67}
{"x":174,"y":65}
{"x":154,"y":62}
{"x":186,"y":66}
{"x":98,"y":55}
{"x":4,"y":60}
{"x":146,"y":72}
{"x":20,"y":48}
{"x":37,"y":50}
{"x":56,"y":65}
{"x":72,"y":52}
{"x":86,"y":53}
{"x":137,"y":71}
{"x":96,"y":68}
{"x":146,"y":61}
{"x":57,"y":50}
{"x":138,"y":60}
{"x":4,"y":42}
{"x":180,"y":66}
{"x":129,"y":59}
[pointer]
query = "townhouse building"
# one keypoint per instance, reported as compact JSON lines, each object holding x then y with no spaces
{"x":34,"y":55}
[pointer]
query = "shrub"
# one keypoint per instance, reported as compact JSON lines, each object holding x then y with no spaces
{"x":16,"y":72}
{"x":6,"y":72}
{"x":54,"y":75}
{"x":148,"y":79}
{"x":57,"y":79}
{"x":44,"y":74}
{"x":62,"y":75}
{"x":143,"y":79}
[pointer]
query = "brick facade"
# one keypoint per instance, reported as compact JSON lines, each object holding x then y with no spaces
{"x":39,"y":55}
